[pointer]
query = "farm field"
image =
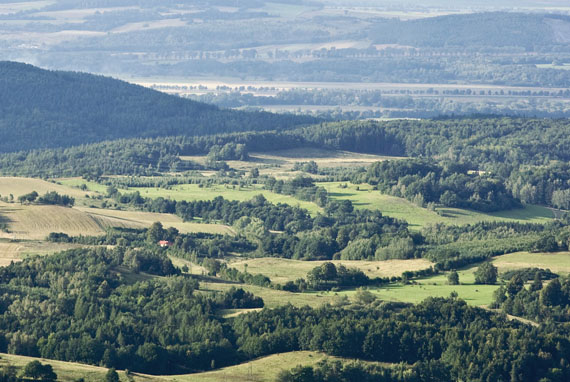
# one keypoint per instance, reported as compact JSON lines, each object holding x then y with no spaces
{"x":16,"y":251}
{"x":263,"y":369}
{"x":20,"y":186}
{"x":274,"y":298}
{"x":280,"y":163}
{"x":417,"y":217}
{"x":139,"y":219}
{"x":556,"y":262}
{"x":35,"y":222}
{"x":191,"y":192}
{"x":283,"y":270}
{"x":436,"y":286}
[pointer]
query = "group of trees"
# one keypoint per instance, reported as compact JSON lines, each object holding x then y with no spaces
{"x":51,"y":197}
{"x":540,"y":302}
{"x":451,"y":186}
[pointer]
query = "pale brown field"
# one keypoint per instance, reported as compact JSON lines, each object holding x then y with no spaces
{"x":283,"y":270}
{"x":558,"y":262}
{"x":280,"y":163}
{"x":16,"y":251}
{"x":139,"y":219}
{"x":263,"y":369}
{"x":21,"y":186}
{"x":35,"y":222}
{"x":30,"y":222}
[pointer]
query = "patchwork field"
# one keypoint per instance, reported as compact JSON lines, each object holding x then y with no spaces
{"x":283,"y":270}
{"x":417,"y":217}
{"x":280,"y":163}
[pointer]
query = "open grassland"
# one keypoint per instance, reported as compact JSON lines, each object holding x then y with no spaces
{"x":283,"y":270}
{"x":20,"y":186}
{"x":67,"y":371}
{"x":271,"y":297}
{"x":17,"y":250}
{"x":363,"y":196}
{"x":437,"y":286}
{"x":280,"y":163}
{"x":191,"y":192}
{"x":557,"y":262}
{"x":263,"y":369}
{"x":78,"y":182}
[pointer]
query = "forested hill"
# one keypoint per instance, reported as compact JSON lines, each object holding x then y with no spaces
{"x":497,"y":29}
{"x":46,"y":109}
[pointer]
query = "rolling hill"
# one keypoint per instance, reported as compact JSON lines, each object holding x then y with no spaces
{"x":47,"y":109}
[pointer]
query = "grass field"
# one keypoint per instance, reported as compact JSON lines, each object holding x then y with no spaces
{"x":21,"y":186}
{"x":437,"y":286}
{"x":556,"y":262}
{"x":16,"y":251}
{"x":140,"y":219}
{"x":191,"y":192}
{"x":280,"y":163}
{"x":274,"y":298}
{"x":263,"y":369}
{"x":66,"y":371}
{"x":418,"y":217}
{"x":283,"y":270}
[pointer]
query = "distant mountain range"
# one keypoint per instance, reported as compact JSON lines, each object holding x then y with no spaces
{"x":47,"y":109}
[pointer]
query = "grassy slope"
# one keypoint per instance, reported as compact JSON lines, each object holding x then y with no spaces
{"x":418,"y":217}
{"x":283,"y":270}
{"x":261,"y":370}
{"x":556,"y":262}
{"x":193,"y":192}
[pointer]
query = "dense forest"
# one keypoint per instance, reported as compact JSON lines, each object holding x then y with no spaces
{"x":61,"y":109}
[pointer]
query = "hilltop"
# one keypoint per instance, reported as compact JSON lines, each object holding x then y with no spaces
{"x":47,"y":109}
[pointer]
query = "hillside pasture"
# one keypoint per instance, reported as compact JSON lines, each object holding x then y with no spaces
{"x":434,"y":286}
{"x":31,"y":222}
{"x":558,"y":262}
{"x":280,"y":163}
{"x":190,"y":192}
{"x":271,"y":297}
{"x":17,"y":250}
{"x":283,"y":270}
{"x":264,"y":369}
{"x":20,"y":186}
{"x":363,"y":196}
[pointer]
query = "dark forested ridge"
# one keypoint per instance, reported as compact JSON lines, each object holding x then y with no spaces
{"x":43,"y":109}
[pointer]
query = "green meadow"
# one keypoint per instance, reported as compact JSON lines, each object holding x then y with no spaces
{"x":363,"y":196}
